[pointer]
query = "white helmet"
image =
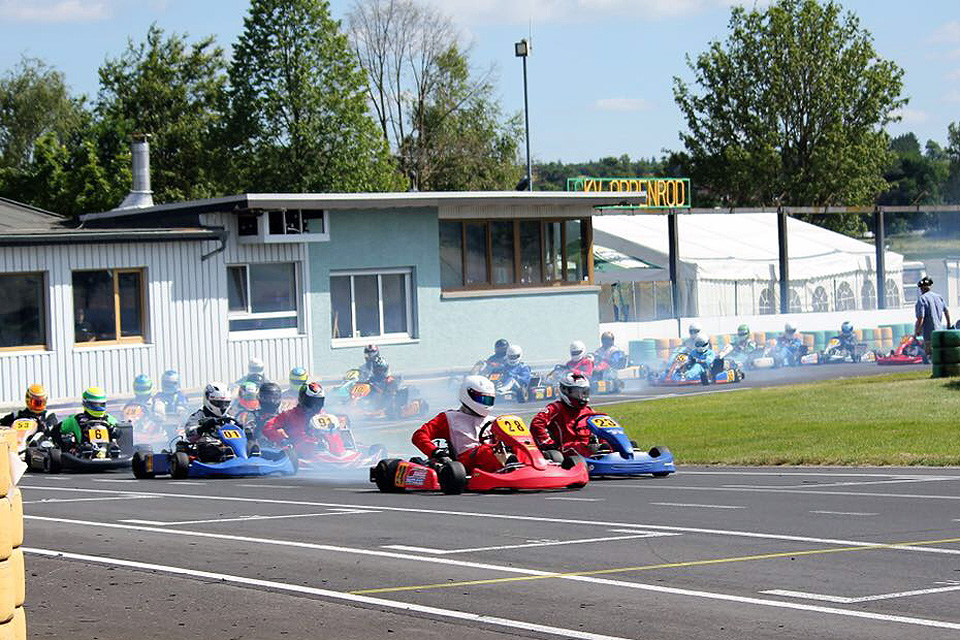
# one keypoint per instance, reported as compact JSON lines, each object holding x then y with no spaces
{"x":577,"y":348}
{"x":514,"y":354}
{"x":255,"y":365}
{"x":789,"y":328}
{"x":694,"y":329}
{"x":701,"y":344}
{"x":216,"y":400}
{"x":575,"y":389}
{"x":477,"y":393}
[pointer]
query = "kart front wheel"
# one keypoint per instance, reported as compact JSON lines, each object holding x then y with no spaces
{"x":553,"y":456}
{"x":453,"y":478}
{"x":179,"y":466}
{"x":571,"y":461}
{"x":139,"y":464}
{"x":384,"y":474}
{"x":52,"y":461}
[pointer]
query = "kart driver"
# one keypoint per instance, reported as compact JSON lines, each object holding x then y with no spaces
{"x":691,"y":341}
{"x":36,"y":409}
{"x":742,"y":342}
{"x":701,"y":360}
{"x":790,"y":343}
{"x":255,"y":372}
{"x":140,"y":406}
{"x":848,"y":339}
{"x":370,"y":354}
{"x":268,"y":400}
{"x":560,"y":425}
{"x":579,"y":361}
{"x":74,"y":430}
{"x":215,"y":410}
{"x":298,"y":378}
{"x":461,"y":428}
{"x":514,"y":368}
{"x":608,"y":356}
{"x":245,"y":405}
{"x":170,"y":401}
{"x":294,"y":424}
{"x":498,"y":361}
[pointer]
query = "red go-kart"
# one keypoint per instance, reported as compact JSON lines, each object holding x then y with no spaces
{"x":510,"y":435}
{"x":335,"y":447}
{"x":910,"y":351}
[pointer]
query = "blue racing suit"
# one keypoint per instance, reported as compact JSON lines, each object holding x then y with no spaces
{"x":519,"y":372}
{"x":700,"y":363}
{"x":789,"y":349}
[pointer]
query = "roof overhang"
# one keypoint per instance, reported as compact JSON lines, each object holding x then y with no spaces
{"x":115,"y":236}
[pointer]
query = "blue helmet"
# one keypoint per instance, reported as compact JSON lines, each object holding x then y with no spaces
{"x":846,"y":328}
{"x":170,"y":381}
{"x":142,"y":386}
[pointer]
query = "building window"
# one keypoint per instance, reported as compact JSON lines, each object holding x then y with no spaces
{"x":892,"y":294}
{"x":365,"y":305}
{"x":768,"y":301}
{"x":868,"y":295}
{"x":109,"y":306}
{"x":282,"y":225}
{"x":485,"y":254}
{"x":796,"y":304}
{"x":846,"y":301}
{"x":263,"y":296}
{"x":24,"y":316}
{"x":821,"y":301}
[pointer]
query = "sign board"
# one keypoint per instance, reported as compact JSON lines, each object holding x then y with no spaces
{"x":653,"y":193}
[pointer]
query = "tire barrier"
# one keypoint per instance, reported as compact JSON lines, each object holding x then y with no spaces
{"x":13,"y":618}
{"x":945,"y":353}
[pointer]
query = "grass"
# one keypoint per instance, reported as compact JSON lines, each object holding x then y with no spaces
{"x":923,"y":247}
{"x":897,"y":419}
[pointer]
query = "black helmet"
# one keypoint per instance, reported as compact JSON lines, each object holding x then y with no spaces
{"x":606,"y":338}
{"x":500,"y":347}
{"x":370,"y":352}
{"x":269,"y":397}
{"x":311,"y":397}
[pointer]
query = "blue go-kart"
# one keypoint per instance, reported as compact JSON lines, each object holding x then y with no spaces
{"x":225,"y":452}
{"x":617,"y":455}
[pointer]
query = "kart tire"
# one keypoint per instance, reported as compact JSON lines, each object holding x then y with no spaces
{"x":571,"y":461}
{"x":704,"y":379}
{"x":945,"y":339}
{"x":52,"y":462}
{"x":660,"y":474}
{"x":139,"y":465}
{"x":383,"y":475}
{"x":946,"y":355}
{"x":179,"y":465}
{"x":453,"y":478}
{"x":657,"y":451}
{"x":378,"y":452}
{"x":553,"y":456}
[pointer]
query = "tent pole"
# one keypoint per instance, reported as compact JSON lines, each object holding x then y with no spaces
{"x":674,"y":261}
{"x":784,"y":265}
{"x":880,"y":240}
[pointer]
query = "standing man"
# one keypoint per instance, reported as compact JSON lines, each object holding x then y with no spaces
{"x":930,"y":310}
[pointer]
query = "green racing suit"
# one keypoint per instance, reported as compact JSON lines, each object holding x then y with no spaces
{"x":78,"y":424}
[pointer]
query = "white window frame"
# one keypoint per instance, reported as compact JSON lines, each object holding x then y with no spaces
{"x":409,"y":335}
{"x":250,"y":315}
{"x":265,"y":237}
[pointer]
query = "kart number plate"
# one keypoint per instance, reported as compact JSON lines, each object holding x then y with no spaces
{"x":603,"y":422}
{"x":493,"y":377}
{"x":231,"y":434}
{"x":513,"y":425}
{"x":98,"y":434}
{"x":24,"y":424}
{"x":322,"y":422}
{"x":601,"y":385}
{"x":133,"y":412}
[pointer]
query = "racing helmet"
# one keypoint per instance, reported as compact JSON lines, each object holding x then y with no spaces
{"x":371,"y":352}
{"x":215,"y":400}
{"x":606,"y":339}
{"x":95,"y":402}
{"x":269,"y":397}
{"x":380,"y":367}
{"x":790,"y":329}
{"x":477,"y":394}
{"x":514,"y":354}
{"x":576,"y":349}
{"x":700,"y":345}
{"x":298,"y":378}
{"x":255,"y":365}
{"x":247,"y":395}
{"x":575,"y":389}
{"x":311,"y":397}
{"x":500,"y":347}
{"x":925,"y":282}
{"x":846,"y":328}
{"x":256,"y":379}
{"x":36,"y":398}
{"x":142,"y":386}
{"x":743,"y":331}
{"x":170,"y":381}
{"x":694,"y":329}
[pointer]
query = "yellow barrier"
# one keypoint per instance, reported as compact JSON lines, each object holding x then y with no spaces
{"x":13,"y":618}
{"x":8,"y":590}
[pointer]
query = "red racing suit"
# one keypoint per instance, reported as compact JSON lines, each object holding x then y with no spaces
{"x":583,"y":366}
{"x":560,"y":426}
{"x":291,"y":424}
{"x":462,"y":431}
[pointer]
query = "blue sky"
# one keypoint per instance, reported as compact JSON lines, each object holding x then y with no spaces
{"x":600,"y":73}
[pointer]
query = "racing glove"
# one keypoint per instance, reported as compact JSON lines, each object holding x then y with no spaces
{"x":440,"y":453}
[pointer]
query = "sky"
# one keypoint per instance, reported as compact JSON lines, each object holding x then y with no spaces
{"x":600,"y":72}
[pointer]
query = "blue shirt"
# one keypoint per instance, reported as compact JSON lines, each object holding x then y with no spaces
{"x":930,"y":307}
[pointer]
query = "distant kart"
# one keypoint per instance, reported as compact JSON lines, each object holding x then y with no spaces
{"x":722,"y":372}
{"x":394,"y":401}
{"x":617,"y":455}
{"x":910,"y":351}
{"x":149,"y":429}
{"x":785,"y":357}
{"x":837,"y":352}
{"x":96,"y":453}
{"x":336,"y":447}
{"x":28,"y":430}
{"x":510,"y":435}
{"x":228,"y":453}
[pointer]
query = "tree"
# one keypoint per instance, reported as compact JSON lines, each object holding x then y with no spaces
{"x":441,"y":119}
{"x":299,"y":105}
{"x":175,"y":92}
{"x":914,"y":178}
{"x":791,"y":109}
{"x":552,"y":176}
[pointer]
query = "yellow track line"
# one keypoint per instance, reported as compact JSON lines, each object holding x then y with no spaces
{"x":649,"y":567}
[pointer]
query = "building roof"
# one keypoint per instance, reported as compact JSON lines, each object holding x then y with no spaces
{"x":743,"y":246}
{"x":20,"y":216}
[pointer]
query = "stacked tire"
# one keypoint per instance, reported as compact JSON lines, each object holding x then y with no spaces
{"x":13,"y":620}
{"x":945,"y":354}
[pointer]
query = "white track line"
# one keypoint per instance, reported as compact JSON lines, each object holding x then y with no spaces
{"x":506,"y":516}
{"x":812,"y":473}
{"x":341,"y":512}
{"x":842,"y":600}
{"x":576,"y":499}
{"x":112,"y":480}
{"x":528,"y":544}
{"x":699,"y":506}
{"x":812,"y":492}
{"x":98,"y":499}
{"x":840,"y":484}
{"x":656,"y":588}
{"x":334,"y":595}
{"x":272,"y":486}
{"x":845,"y":513}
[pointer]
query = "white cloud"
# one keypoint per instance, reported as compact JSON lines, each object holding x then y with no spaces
{"x":52,"y":11}
{"x":621,"y":104}
{"x":948,"y":32}
{"x":911,"y":116}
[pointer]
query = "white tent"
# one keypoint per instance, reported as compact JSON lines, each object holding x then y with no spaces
{"x":729,"y":263}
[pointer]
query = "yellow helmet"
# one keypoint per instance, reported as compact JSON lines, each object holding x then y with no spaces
{"x":36,"y":398}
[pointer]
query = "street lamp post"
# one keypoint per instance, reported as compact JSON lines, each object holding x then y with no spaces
{"x":522,"y":50}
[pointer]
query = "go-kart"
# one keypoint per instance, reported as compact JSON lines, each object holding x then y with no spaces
{"x":511,"y":437}
{"x":389,"y":400}
{"x":97,"y":452}
{"x":29,"y":431}
{"x":837,"y":352}
{"x":910,"y":351}
{"x":616,"y":455}
{"x":748,"y":357}
{"x":336,"y":447}
{"x":677,"y":374}
{"x":784,"y":356}
{"x":224,"y":452}
{"x":150,"y":429}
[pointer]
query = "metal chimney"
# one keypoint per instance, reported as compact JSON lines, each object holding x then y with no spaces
{"x":140,"y":196}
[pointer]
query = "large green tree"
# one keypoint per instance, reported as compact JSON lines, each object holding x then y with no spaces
{"x":175,"y":91}
{"x":299,"y":105}
{"x":790,"y":109}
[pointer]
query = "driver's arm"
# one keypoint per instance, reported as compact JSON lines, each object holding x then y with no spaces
{"x":436,"y":428}
{"x":539,"y":426}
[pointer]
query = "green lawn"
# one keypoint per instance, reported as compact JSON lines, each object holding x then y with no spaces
{"x":895,"y":419}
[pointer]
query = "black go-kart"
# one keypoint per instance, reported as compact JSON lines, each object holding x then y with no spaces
{"x":97,"y":452}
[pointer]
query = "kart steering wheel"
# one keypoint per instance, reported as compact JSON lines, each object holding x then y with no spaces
{"x":486,"y":433}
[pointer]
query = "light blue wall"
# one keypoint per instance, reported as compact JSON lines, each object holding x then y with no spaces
{"x":453,"y":333}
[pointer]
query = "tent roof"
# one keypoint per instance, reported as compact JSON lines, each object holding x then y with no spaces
{"x":742,"y":246}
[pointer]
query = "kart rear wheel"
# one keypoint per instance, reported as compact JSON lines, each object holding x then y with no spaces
{"x":383,"y":475}
{"x":660,"y":474}
{"x":453,"y":478}
{"x":179,"y":465}
{"x":139,"y":464}
{"x":571,"y":461}
{"x":52,"y":461}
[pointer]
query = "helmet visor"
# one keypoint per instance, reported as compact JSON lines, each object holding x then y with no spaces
{"x":480,"y":397}
{"x":578,"y":394}
{"x":95,"y":408}
{"x":312,"y":403}
{"x":37,"y":404}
